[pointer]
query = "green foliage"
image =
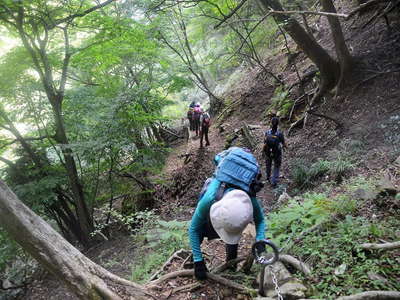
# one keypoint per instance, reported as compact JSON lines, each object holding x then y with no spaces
{"x":342,"y":268}
{"x":162,"y":241}
{"x":304,"y":176}
{"x":280,"y":102}
{"x":296,"y":217}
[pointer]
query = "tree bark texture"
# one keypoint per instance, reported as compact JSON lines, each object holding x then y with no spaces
{"x":328,"y":67}
{"x":342,"y":52}
{"x":82,"y":276}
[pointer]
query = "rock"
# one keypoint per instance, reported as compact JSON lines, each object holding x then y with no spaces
{"x":290,"y":288}
{"x":364,"y":194}
{"x":284,"y":197}
{"x":385,"y":185}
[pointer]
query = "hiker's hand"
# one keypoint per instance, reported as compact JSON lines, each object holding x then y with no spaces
{"x":260,"y":248}
{"x":200,"y":270}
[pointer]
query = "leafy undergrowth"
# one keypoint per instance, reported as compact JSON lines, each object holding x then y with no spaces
{"x":340,"y":266}
{"x":159,"y":243}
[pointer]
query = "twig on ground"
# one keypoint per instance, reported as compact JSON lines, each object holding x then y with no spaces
{"x":385,"y":246}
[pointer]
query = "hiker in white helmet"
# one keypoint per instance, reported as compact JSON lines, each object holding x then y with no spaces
{"x":226,"y":206}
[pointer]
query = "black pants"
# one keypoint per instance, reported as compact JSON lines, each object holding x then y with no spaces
{"x":191,"y":123}
{"x":196,"y":125}
{"x":276,"y":158}
{"x":204,"y":133}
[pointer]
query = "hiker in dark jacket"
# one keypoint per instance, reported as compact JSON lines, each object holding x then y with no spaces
{"x":205,"y":122}
{"x":225,"y":209}
{"x":274,"y":142}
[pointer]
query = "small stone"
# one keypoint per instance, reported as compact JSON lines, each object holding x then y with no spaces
{"x":386,"y":185}
{"x":341,"y":269}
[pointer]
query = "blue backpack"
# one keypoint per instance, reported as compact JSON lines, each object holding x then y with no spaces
{"x":236,"y":167}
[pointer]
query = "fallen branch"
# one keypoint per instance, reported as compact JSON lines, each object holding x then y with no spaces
{"x":171,"y":258}
{"x":294,"y":262}
{"x":385,"y":246}
{"x":338,"y":124}
{"x":171,"y":133}
{"x":373,"y":295}
{"x":231,"y":284}
{"x":307,"y":12}
{"x":364,"y":5}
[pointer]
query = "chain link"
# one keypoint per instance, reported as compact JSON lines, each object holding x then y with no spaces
{"x":275,"y":281}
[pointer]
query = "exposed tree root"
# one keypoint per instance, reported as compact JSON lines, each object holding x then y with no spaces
{"x":227,"y":265}
{"x":170,"y":259}
{"x":214,"y":277}
{"x":385,"y":246}
{"x":373,"y":295}
{"x":299,"y":265}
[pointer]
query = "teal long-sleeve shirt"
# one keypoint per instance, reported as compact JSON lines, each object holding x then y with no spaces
{"x":200,"y":217}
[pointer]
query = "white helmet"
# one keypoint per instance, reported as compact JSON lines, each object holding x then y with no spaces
{"x":231,"y":215}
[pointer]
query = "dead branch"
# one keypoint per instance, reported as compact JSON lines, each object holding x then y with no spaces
{"x":385,"y":246}
{"x":306,"y":12}
{"x":294,"y":262}
{"x":364,"y":5}
{"x":338,"y":124}
{"x":373,"y":295}
{"x":170,"y":132}
{"x":298,"y":123}
{"x":170,"y":259}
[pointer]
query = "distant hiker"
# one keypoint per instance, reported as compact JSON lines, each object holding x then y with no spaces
{"x":192,"y":104}
{"x":196,"y":117}
{"x":190,"y":118}
{"x":205,"y":122}
{"x":274,"y":142}
{"x":227,"y":204}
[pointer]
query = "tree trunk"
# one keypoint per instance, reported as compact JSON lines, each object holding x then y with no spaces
{"x":342,"y":52}
{"x":63,"y":209}
{"x":327,"y":66}
{"x":82,"y":211}
{"x":82,"y":276}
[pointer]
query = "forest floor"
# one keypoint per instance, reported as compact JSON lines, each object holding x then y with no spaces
{"x":368,"y":109}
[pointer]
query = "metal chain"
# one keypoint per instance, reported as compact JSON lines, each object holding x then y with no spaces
{"x":275,"y":281}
